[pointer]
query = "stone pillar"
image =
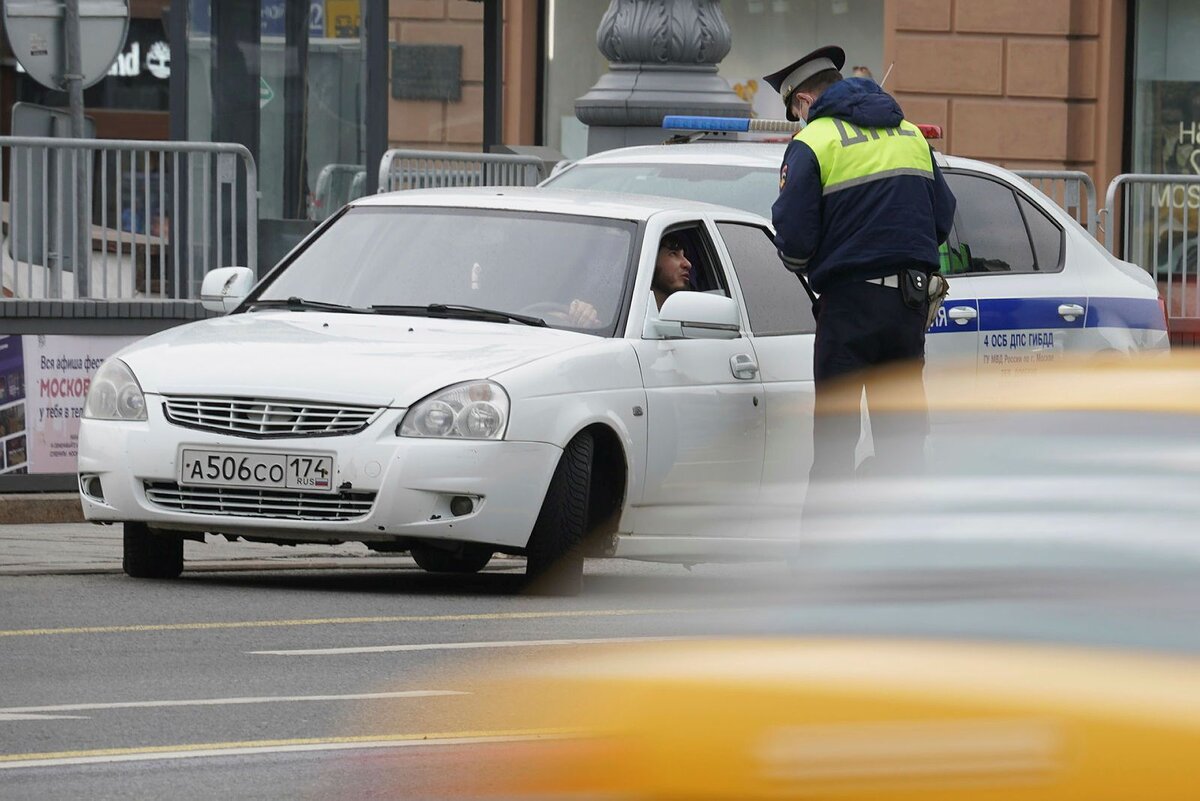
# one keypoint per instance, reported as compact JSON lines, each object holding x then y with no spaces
{"x":663,"y":57}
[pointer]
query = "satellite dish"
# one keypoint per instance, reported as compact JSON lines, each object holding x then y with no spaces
{"x":35,"y":33}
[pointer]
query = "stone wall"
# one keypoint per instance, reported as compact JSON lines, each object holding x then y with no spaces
{"x":447,"y":125}
{"x":1035,"y":84}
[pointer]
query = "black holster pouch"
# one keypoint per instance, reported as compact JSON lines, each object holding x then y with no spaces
{"x":914,"y":288}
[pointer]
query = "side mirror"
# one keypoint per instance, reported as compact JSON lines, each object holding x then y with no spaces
{"x":696,"y":315}
{"x":224,"y":288}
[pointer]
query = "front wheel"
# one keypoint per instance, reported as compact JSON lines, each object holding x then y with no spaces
{"x":554,"y":556}
{"x":470,"y":558}
{"x":150,"y":555}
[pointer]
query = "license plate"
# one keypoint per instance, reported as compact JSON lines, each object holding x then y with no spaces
{"x":296,"y":471}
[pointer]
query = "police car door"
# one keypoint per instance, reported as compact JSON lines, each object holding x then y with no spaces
{"x":1016,"y":303}
{"x":704,"y":412}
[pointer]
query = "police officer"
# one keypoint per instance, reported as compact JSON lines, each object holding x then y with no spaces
{"x":861,"y":211}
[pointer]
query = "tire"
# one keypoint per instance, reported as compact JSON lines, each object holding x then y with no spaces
{"x":469,"y":558}
{"x":151,"y":555}
{"x":554,"y":555}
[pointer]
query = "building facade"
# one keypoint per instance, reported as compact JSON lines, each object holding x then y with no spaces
{"x":1105,"y":86}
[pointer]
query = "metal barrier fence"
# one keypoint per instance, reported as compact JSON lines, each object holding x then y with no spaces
{"x":1072,"y":190}
{"x":162,"y":214}
{"x":337,"y":185}
{"x":423,"y":169}
{"x":1157,"y":229}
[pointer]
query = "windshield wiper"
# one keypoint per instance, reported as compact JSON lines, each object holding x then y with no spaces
{"x":300,"y":304}
{"x":452,"y":310}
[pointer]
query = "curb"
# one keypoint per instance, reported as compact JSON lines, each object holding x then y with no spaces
{"x":244,"y":565}
{"x":40,"y":507}
{"x":224,"y":565}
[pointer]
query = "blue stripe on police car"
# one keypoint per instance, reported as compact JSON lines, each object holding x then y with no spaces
{"x":1020,"y":314}
{"x":1144,"y":313}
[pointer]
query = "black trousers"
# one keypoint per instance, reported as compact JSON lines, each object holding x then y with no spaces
{"x":861,"y":328}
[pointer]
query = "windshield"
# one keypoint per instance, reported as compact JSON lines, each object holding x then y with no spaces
{"x":569,"y":271}
{"x":747,"y":188}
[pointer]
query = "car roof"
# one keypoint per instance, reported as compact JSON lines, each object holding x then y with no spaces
{"x":581,"y":202}
{"x":739,"y":153}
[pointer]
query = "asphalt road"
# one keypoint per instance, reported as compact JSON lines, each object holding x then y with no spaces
{"x":366,"y":683}
{"x":286,"y":683}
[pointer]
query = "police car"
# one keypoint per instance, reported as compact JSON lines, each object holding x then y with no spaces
{"x":1028,"y":285}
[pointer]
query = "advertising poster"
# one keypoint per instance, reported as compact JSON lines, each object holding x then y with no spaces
{"x":13,"y":450}
{"x":57,"y":373}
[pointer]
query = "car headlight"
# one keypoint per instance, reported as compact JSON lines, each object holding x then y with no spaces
{"x":115,"y":394}
{"x":475,"y":410}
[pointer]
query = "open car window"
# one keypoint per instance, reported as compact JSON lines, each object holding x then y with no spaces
{"x":707,"y":274}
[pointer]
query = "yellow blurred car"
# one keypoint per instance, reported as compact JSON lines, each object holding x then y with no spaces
{"x":1019,"y":621}
{"x":852,"y":719}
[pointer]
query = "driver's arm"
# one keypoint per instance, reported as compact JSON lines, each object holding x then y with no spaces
{"x":581,"y":314}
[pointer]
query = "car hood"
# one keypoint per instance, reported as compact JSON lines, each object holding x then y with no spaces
{"x":375,"y":360}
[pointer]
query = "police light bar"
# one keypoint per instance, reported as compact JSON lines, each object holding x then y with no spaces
{"x":680,"y":122}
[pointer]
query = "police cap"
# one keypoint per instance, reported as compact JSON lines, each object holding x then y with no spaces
{"x":788,"y":79}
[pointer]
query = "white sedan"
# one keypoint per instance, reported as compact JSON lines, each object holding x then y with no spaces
{"x":1028,"y":284}
{"x":456,"y":373}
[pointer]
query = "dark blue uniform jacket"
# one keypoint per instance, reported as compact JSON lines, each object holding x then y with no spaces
{"x":883,"y":205}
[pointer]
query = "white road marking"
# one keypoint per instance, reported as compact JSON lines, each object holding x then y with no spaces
{"x":269,"y":699}
{"x":5,"y":717}
{"x":458,"y":646}
{"x":333,"y":621}
{"x":102,"y":756}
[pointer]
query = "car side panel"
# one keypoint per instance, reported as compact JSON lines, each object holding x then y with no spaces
{"x":556,"y":397}
{"x":786,"y":363}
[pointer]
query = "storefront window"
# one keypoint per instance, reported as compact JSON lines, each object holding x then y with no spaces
{"x":766,"y":34}
{"x":1161,"y":224}
{"x":324,"y":66}
{"x":1167,"y":88}
{"x":137,"y":82}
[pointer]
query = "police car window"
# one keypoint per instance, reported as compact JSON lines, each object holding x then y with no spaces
{"x":991,"y":234}
{"x":1046,"y":235}
{"x":775,"y":300}
{"x":740,"y":187}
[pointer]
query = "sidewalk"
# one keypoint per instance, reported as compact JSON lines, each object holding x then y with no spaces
{"x":29,"y":549}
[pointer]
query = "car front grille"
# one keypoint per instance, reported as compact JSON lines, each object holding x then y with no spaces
{"x":250,"y":502}
{"x":263,"y":419}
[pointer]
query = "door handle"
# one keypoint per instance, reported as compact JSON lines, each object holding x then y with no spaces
{"x":1069,"y":311}
{"x":962,"y":314}
{"x":743,"y":366}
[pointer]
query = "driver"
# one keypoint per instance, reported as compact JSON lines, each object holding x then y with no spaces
{"x":672,"y":270}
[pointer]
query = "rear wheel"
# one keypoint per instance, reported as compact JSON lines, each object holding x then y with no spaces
{"x":554,"y":556}
{"x":151,"y":555}
{"x":470,"y":558}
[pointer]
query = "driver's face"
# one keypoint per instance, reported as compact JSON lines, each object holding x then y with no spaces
{"x":672,"y":270}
